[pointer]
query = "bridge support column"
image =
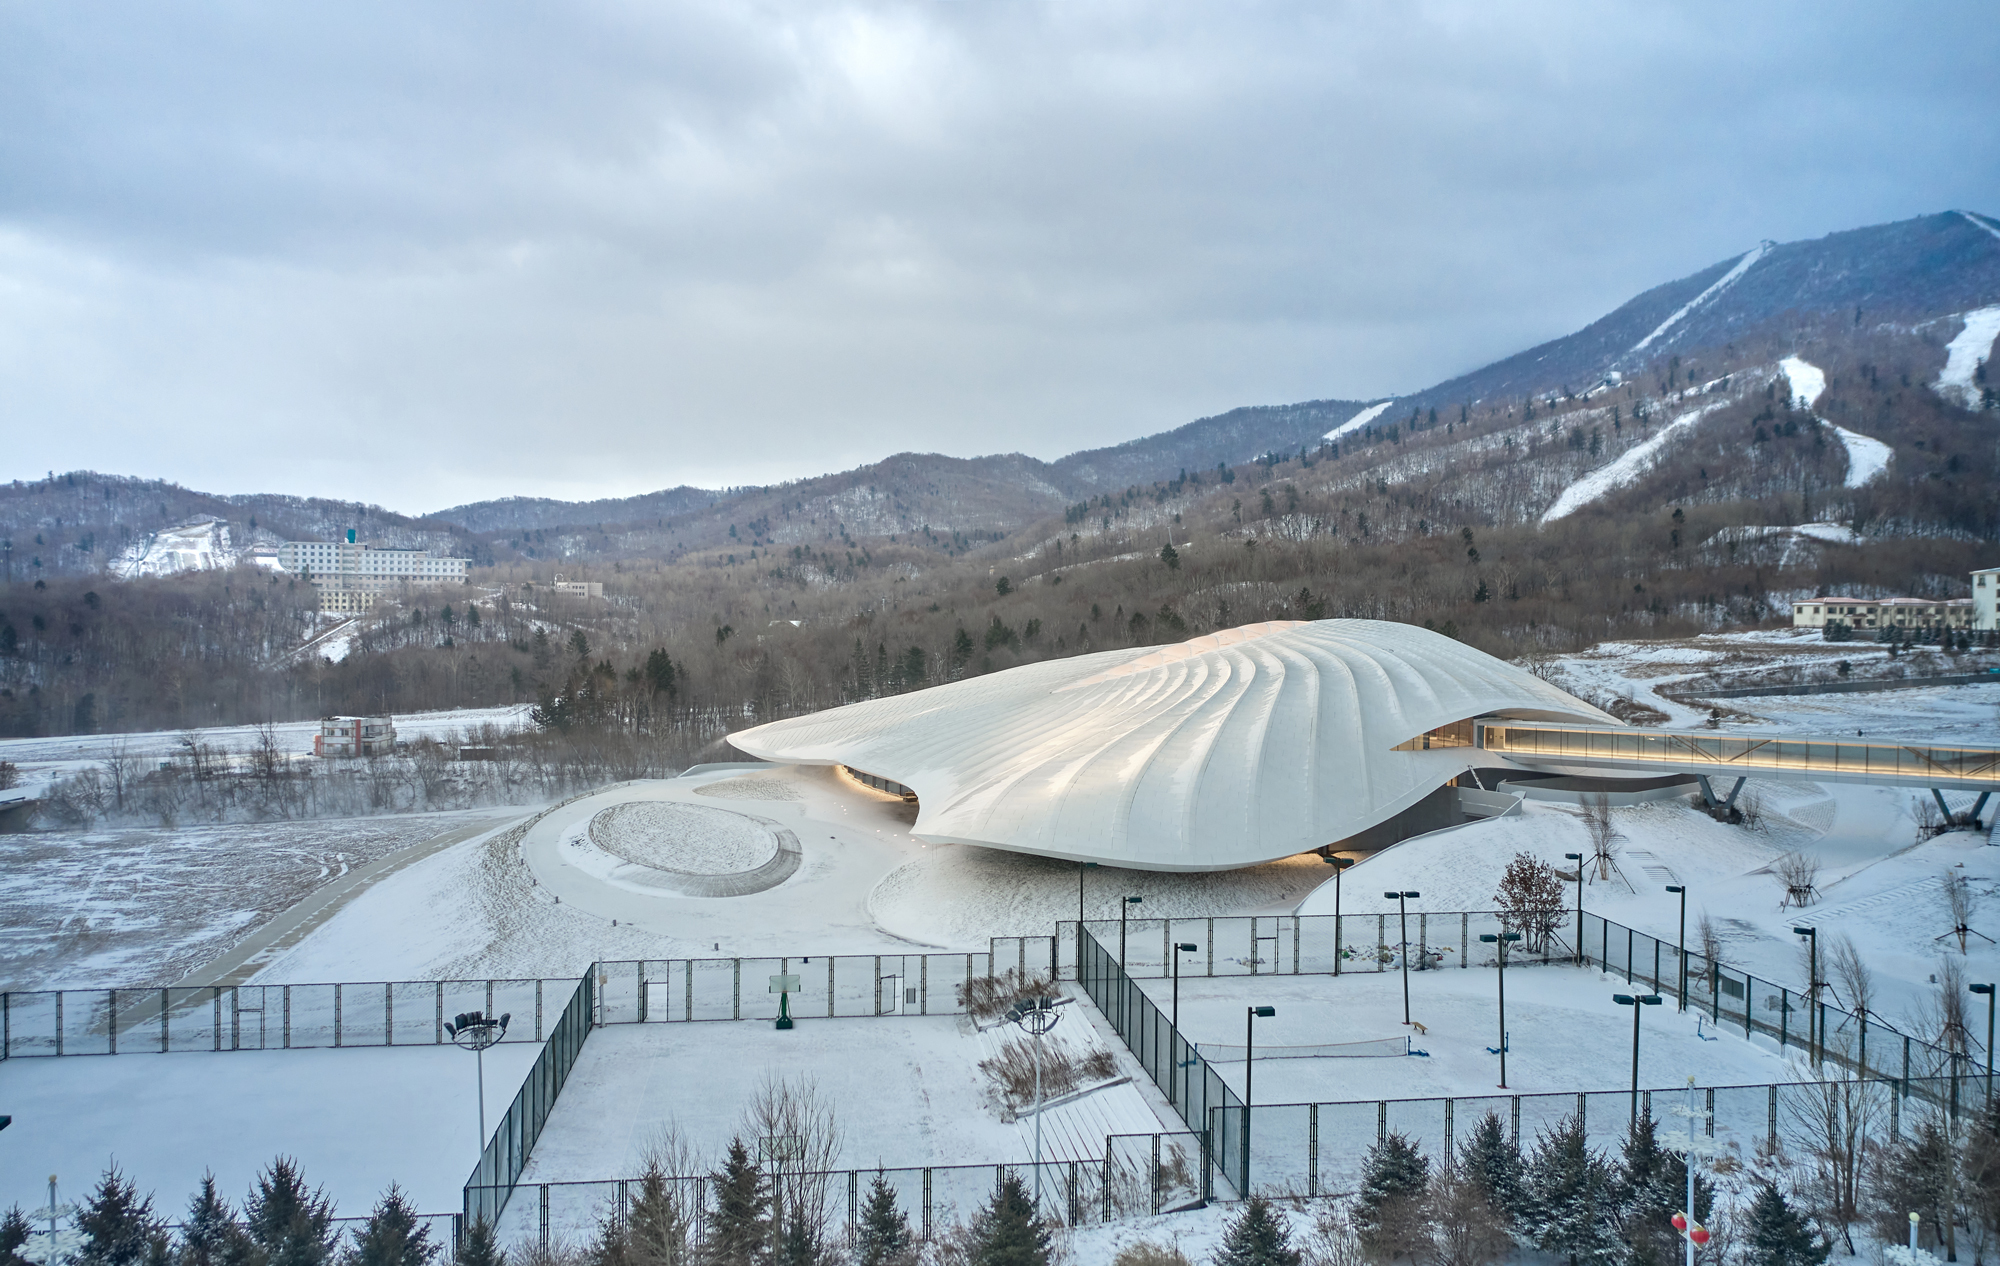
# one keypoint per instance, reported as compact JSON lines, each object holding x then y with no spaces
{"x":1979,"y":807}
{"x":1942,"y":810}
{"x":1708,"y":792}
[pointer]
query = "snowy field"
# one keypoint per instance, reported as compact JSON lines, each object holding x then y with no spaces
{"x":355,"y":1119}
{"x":1567,"y":1034}
{"x":118,"y":908}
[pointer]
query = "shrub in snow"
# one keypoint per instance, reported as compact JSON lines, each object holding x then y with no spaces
{"x":117,"y":1226}
{"x":1779,"y":1235}
{"x":1007,"y":1232}
{"x":884,"y":1237}
{"x":1390,"y":1211}
{"x":1569,"y":1207}
{"x":1257,"y":1237}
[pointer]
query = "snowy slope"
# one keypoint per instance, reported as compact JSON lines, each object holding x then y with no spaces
{"x":1866,"y":458}
{"x":1727,"y":280}
{"x":1359,"y":420}
{"x":199,"y":546}
{"x":1629,"y":466}
{"x":1806,"y":379}
{"x":1963,"y":354}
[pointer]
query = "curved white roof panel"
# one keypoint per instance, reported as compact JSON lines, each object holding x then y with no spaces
{"x":1228,"y":750}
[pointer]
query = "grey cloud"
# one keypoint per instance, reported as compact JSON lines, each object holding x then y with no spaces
{"x":594,"y":249}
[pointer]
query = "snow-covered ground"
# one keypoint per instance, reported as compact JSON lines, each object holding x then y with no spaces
{"x":198,"y":546}
{"x":1627,"y":467}
{"x":1359,"y":420}
{"x":1567,"y":1034}
{"x":1866,"y":458}
{"x":1728,"y":279}
{"x":104,"y":909}
{"x":1973,"y":344}
{"x":43,"y":759}
{"x":355,"y":1120}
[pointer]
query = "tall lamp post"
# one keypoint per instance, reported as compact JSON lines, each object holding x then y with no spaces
{"x":1402,"y":900}
{"x":1123,"y":909}
{"x":1500,"y":941}
{"x":1340,"y":865}
{"x":474,"y":1031}
{"x":1173,"y":1083}
{"x":1578,"y":859}
{"x":1683,"y":991}
{"x":1987,"y":989}
{"x":1812,"y":991}
{"x":1036,"y":1016}
{"x":1249,"y":1065}
{"x":1081,"y":868}
{"x":1643,"y":1000}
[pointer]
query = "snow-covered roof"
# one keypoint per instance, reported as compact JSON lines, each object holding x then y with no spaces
{"x":1236,"y":748}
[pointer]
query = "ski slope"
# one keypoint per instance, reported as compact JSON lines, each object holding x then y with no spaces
{"x":1866,"y":458}
{"x":1806,"y":379}
{"x":1628,"y":467}
{"x":1963,"y":354}
{"x":1727,"y":280}
{"x":1359,"y":420}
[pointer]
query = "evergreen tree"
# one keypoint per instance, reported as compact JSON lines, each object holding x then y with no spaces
{"x":480,"y":1248}
{"x":1493,"y":1161}
{"x":14,"y":1232}
{"x":289,"y":1225}
{"x":738,"y":1228}
{"x":392,"y":1235}
{"x":1569,"y":1197}
{"x":1389,"y":1213}
{"x":117,"y":1226}
{"x":1779,"y":1234}
{"x":1257,"y":1237}
{"x":656,"y":1232}
{"x":210,"y":1235}
{"x":799,"y":1243}
{"x":884,"y":1237}
{"x":1006,"y":1232}
{"x":1915,"y":1177}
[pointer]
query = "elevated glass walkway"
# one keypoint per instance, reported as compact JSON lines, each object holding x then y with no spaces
{"x":1743,"y":755}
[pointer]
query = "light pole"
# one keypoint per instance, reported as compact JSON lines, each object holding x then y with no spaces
{"x":1643,"y":1000}
{"x":1124,"y":908}
{"x":1180,"y":948}
{"x":1683,"y":990}
{"x":475,"y":1031}
{"x":1036,"y":1016}
{"x":1340,"y":865}
{"x":1812,"y":991}
{"x":1081,"y":867}
{"x":1402,"y":900}
{"x":1987,"y":989}
{"x":1578,"y":859}
{"x":1249,"y":1065}
{"x":1500,"y":941}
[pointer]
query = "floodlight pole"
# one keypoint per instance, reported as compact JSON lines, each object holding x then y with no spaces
{"x":1683,"y":989}
{"x":475,"y":1031}
{"x":1812,"y":991}
{"x":1401,"y":899}
{"x":1578,"y":859}
{"x":1340,"y":865}
{"x":1249,"y":1066}
{"x":1173,"y":1083}
{"x":1642,"y":1000}
{"x":1987,"y":989}
{"x":1037,"y":1016}
{"x":1081,"y":867}
{"x":1500,"y":941}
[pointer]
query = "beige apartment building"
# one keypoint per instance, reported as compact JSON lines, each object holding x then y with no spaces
{"x":351,"y":575}
{"x":1879,"y":614}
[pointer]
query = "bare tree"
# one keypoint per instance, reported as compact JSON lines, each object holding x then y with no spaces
{"x":1853,"y":980}
{"x":1830,"y":1123}
{"x":799,"y":1140}
{"x":1959,"y":901}
{"x":1604,"y":837}
{"x":1799,"y":873}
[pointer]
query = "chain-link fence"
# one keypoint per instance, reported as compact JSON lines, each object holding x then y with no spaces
{"x":673,"y":990}
{"x":506,"y":1153}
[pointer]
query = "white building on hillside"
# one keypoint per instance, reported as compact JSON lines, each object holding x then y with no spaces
{"x":350,"y":575}
{"x":1985,"y":589}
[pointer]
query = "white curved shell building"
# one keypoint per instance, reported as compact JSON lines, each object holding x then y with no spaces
{"x":1229,"y":750}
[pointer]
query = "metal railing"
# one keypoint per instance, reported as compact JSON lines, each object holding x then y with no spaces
{"x":663,"y":990}
{"x":506,"y":1154}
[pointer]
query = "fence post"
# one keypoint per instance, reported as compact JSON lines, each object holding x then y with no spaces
{"x":1465,"y":938}
{"x":1381,"y":939}
{"x":388,"y":1013}
{"x":1381,"y":1120}
{"x":1631,"y":942}
{"x":545,"y":1217}
{"x":1312,"y":1150}
{"x":1447,"y":1129}
{"x":927,"y":1170}
{"x":1423,"y":938}
{"x":288,"y":1019}
{"x":736,"y":999}
{"x":1517,"y":1120}
{"x":1771,"y":1125}
{"x":489,"y":994}
{"x":1710,"y":1108}
{"x":112,"y":1019}
{"x":687,"y":994}
{"x":924,"y":977}
{"x":1211,"y":945}
{"x":163,"y":1022}
{"x":1295,"y":945}
{"x":437,"y":1020}
{"x":1156,"y":1176}
{"x":878,"y":1011}
{"x":215,"y":1028}
{"x":1895,"y":1111}
{"x":1582,"y":1104}
{"x":830,"y":960}
{"x":640,"y":970}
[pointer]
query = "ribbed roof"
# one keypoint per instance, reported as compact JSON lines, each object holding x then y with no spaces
{"x":1228,"y":750}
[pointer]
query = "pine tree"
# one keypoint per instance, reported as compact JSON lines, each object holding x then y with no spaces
{"x":1493,"y":1161}
{"x":1257,"y":1237}
{"x":14,"y":1232}
{"x":1006,"y":1232}
{"x":1389,"y":1213}
{"x":392,"y":1235}
{"x":1569,"y":1197}
{"x":1915,"y":1177}
{"x":1648,"y":1189}
{"x":799,"y":1243}
{"x":738,"y":1228}
{"x":210,"y":1235}
{"x":1779,"y":1234}
{"x":480,"y":1248}
{"x":117,"y":1226}
{"x":290,"y":1225}
{"x":883,"y":1238}
{"x":656,"y":1232}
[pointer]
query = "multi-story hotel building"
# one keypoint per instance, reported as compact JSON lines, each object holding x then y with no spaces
{"x":350,"y":575}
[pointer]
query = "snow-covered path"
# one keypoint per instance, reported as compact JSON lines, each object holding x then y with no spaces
{"x":1963,"y":354}
{"x":1359,"y":420}
{"x":1627,"y":468}
{"x":1727,"y":280}
{"x":1866,"y":458}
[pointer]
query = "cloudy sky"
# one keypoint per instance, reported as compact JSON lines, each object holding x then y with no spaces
{"x":422,"y":254}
